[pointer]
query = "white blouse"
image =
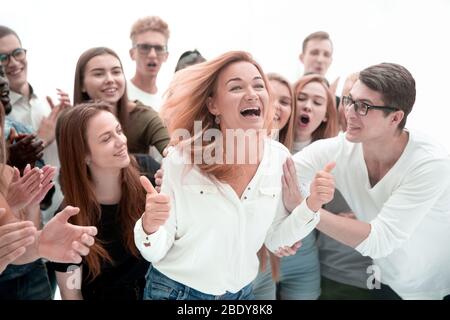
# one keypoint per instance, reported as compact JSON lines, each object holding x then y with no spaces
{"x":211,"y":238}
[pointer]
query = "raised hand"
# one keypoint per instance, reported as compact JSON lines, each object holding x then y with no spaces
{"x":23,"y":149}
{"x":61,"y":241}
{"x":31,"y":188}
{"x":14,"y":238}
{"x":63,"y":101}
{"x":48,"y":173}
{"x":322,"y":188}
{"x":288,"y":251}
{"x":157,"y":207}
{"x":291,"y":193}
{"x":22,"y":190}
{"x":46,"y":130}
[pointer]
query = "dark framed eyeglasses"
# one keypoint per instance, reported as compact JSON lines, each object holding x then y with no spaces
{"x":145,"y":48}
{"x":362,"y":108}
{"x":19,"y":54}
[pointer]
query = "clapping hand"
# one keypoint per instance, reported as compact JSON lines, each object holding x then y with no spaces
{"x":291,"y":193}
{"x":61,"y":241}
{"x":14,"y":238}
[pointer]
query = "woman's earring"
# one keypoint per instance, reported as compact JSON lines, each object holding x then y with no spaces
{"x":88,"y":162}
{"x":217,"y":119}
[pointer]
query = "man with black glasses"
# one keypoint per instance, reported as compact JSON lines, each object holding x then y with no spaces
{"x":23,"y":147}
{"x":396,"y":181}
{"x":27,"y":108}
{"x":41,"y":116}
{"x":149,"y":38}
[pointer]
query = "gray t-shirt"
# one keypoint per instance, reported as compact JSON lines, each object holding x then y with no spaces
{"x":339,"y":262}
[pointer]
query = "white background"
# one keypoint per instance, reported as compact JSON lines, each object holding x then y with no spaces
{"x":414,"y":33}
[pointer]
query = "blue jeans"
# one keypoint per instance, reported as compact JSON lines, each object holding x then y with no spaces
{"x":299,"y":275}
{"x":26,"y":282}
{"x":160,"y":287}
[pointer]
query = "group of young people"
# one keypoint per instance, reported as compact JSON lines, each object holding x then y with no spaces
{"x":315,"y":189}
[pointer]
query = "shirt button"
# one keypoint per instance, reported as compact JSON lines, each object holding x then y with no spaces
{"x":248,"y":188}
{"x":147,"y":243}
{"x":245,"y":198}
{"x":201,"y":192}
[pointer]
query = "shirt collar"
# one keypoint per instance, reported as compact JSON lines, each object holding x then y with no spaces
{"x":14,"y":96}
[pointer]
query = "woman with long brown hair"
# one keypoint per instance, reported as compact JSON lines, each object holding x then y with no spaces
{"x":98,"y":176}
{"x":215,"y":210}
{"x":21,"y":243}
{"x":99,"y":76}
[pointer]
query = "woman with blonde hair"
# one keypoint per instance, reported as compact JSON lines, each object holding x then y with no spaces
{"x":220,"y":199}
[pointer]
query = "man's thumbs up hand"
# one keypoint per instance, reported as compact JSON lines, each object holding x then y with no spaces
{"x":322,"y":188}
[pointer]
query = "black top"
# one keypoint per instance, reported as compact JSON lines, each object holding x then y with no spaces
{"x":124,"y":278}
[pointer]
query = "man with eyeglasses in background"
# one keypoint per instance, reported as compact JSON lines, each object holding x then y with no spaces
{"x":149,"y":36}
{"x":30,"y":110}
{"x":27,"y":108}
{"x":396,"y":181}
{"x":23,"y":146}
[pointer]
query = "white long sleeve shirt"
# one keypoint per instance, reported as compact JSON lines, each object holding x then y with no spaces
{"x":408,"y":210}
{"x":211,"y":238}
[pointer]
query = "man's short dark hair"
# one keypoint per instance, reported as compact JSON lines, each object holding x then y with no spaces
{"x":5,"y":31}
{"x":320,"y":35}
{"x":395,"y":83}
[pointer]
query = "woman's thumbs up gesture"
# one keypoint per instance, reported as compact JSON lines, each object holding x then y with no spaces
{"x":157,"y":207}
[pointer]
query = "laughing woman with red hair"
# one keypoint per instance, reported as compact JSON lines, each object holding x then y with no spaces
{"x":216,"y":209}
